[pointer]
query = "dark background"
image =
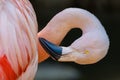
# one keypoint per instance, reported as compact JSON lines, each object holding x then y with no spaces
{"x":108,"y":12}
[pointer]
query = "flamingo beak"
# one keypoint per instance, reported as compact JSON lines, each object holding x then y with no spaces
{"x":53,"y":50}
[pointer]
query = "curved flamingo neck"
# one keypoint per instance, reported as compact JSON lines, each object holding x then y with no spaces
{"x":66,"y":20}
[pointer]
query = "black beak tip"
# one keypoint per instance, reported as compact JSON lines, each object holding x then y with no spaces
{"x":53,"y":50}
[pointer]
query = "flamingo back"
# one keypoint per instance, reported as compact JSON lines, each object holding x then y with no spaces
{"x":18,"y":40}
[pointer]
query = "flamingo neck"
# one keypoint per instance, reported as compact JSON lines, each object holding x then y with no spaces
{"x":68,"y":19}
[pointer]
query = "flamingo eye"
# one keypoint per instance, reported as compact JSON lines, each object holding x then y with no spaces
{"x":86,"y":52}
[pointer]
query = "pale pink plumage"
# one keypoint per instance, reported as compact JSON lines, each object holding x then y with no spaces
{"x":18,"y":40}
{"x":91,"y":47}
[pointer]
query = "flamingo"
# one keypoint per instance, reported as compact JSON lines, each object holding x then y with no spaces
{"x":19,"y":46}
{"x":90,"y":48}
{"x":18,"y":40}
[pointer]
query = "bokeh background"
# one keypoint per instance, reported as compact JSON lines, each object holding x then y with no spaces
{"x":108,"y":12}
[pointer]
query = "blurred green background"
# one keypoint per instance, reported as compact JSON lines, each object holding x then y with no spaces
{"x":108,"y":12}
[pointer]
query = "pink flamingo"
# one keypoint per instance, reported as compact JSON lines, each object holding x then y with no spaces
{"x":91,"y":47}
{"x":18,"y":40}
{"x":19,"y":47}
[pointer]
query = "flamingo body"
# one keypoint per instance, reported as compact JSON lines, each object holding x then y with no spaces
{"x":18,"y":42}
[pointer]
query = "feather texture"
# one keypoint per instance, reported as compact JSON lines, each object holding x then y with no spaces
{"x":18,"y":49}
